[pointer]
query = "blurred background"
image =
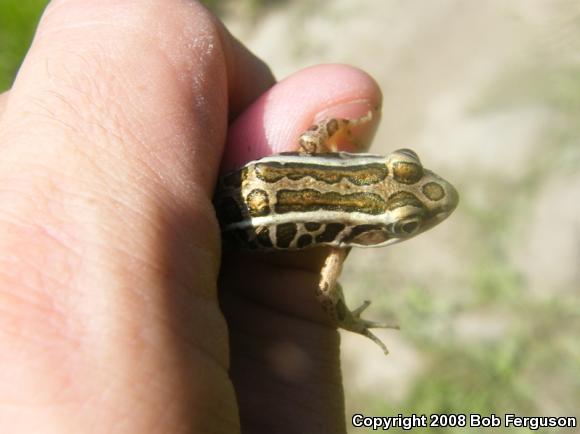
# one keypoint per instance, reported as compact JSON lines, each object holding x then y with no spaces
{"x":488,"y":94}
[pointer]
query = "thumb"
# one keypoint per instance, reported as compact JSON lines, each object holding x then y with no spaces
{"x":110,"y":140}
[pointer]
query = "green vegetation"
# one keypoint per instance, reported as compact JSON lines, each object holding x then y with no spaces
{"x":18,"y":20}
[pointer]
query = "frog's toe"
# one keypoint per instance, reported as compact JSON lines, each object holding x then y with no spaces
{"x":356,"y":312}
{"x":378,"y":325}
{"x":376,"y":340}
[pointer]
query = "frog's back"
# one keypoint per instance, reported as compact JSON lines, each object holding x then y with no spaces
{"x":293,"y":201}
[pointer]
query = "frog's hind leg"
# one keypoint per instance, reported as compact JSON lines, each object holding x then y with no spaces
{"x":328,"y":133}
{"x":331,"y":297}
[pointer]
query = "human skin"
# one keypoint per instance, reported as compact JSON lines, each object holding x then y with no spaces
{"x":111,"y":141}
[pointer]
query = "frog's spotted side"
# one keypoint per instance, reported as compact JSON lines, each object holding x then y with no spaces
{"x":315,"y":197}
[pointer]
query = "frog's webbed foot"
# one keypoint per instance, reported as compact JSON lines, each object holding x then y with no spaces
{"x":353,"y":322}
{"x":331,"y":297}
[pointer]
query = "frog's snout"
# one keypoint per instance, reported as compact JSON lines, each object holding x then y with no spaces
{"x":452,"y":198}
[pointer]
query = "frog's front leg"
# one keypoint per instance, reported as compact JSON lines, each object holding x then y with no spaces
{"x":331,"y":297}
{"x":326,"y":134}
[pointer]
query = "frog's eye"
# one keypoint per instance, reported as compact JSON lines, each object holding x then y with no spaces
{"x":408,"y":153}
{"x":405,"y":166}
{"x":408,"y":226}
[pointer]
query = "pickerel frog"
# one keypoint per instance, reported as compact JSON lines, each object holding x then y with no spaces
{"x":320,"y":197}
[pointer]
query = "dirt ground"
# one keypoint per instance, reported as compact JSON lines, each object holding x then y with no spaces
{"x":488,"y":94}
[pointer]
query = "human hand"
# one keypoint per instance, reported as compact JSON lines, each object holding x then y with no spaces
{"x":111,"y":140}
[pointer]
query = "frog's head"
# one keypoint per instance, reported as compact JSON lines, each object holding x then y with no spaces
{"x":418,"y":199}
